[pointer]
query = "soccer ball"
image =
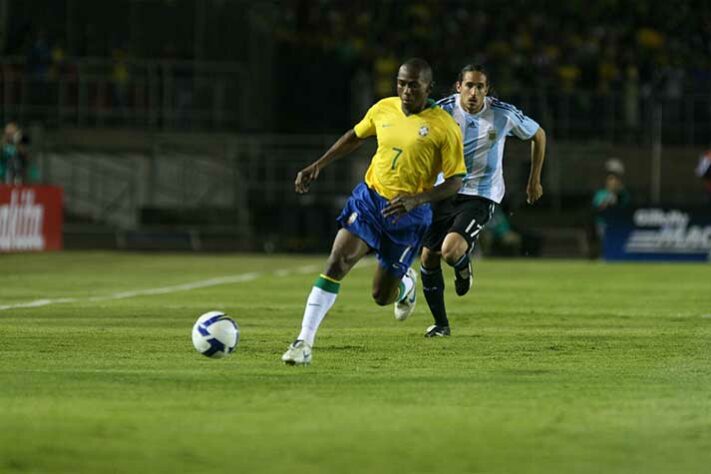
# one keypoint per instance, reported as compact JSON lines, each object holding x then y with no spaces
{"x":215,"y":335}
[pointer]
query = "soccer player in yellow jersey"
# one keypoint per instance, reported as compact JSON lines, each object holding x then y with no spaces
{"x":390,"y":212}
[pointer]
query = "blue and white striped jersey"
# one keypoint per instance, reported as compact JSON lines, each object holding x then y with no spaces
{"x":484,"y":137}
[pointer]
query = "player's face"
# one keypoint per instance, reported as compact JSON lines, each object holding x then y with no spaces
{"x":10,"y":131}
{"x":412,"y":89}
{"x":473,"y":90}
{"x":613,"y":183}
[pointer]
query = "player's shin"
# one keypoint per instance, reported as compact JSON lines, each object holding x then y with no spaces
{"x":322,"y":296}
{"x":463,"y":276}
{"x":433,"y":288}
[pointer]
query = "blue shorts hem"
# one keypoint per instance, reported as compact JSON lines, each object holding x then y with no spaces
{"x":396,"y":242}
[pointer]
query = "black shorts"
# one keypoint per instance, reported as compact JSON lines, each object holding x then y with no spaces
{"x":463,"y":214}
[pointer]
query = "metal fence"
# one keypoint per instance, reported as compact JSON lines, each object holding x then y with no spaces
{"x":263,"y":167}
{"x":241,"y":187}
{"x":235,"y":187}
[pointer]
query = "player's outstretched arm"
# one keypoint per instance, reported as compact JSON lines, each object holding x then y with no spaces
{"x":344,"y":145}
{"x":534,"y":189}
{"x":404,"y":204}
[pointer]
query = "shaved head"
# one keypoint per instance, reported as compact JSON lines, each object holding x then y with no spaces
{"x":414,"y":83}
{"x":420,"y":67}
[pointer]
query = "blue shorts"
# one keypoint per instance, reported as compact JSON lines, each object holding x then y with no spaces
{"x":396,"y":243}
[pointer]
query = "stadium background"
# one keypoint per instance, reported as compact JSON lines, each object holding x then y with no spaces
{"x":187,"y":133}
{"x":176,"y":125}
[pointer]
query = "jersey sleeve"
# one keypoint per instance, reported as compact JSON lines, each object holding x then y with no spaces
{"x":522,"y":126}
{"x":452,"y":150}
{"x":448,"y":103}
{"x":366,"y":127}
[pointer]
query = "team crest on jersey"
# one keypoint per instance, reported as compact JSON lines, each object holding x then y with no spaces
{"x":492,"y":134}
{"x":424,"y":130}
{"x":352,"y":218}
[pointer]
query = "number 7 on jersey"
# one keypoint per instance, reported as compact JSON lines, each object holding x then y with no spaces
{"x":398,"y":152}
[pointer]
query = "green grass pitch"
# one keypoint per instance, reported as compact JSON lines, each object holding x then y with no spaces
{"x":553,"y":367}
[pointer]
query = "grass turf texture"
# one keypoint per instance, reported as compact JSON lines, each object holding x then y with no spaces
{"x":553,"y":366}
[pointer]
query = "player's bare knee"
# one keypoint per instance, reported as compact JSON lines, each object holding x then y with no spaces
{"x":452,"y":254}
{"x":430,"y":258}
{"x":453,"y":248}
{"x":338,"y":266}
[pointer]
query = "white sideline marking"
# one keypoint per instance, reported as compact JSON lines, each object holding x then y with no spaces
{"x":172,"y":289}
{"x":307,"y":269}
{"x":131,"y":294}
{"x":184,"y":287}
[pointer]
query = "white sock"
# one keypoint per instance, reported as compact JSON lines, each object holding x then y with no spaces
{"x":317,"y":305}
{"x":405,"y":286}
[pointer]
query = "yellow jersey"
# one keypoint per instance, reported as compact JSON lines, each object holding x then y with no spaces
{"x":412,"y":149}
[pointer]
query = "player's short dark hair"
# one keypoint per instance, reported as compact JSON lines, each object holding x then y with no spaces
{"x":421,"y":66}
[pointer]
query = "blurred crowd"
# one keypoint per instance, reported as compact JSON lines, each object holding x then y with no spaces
{"x":609,"y":57}
{"x":598,"y":46}
{"x":554,"y":59}
{"x":575,"y":45}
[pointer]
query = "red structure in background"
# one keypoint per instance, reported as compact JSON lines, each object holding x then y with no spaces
{"x":30,"y":218}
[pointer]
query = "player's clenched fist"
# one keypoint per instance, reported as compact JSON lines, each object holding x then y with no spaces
{"x":305,"y":177}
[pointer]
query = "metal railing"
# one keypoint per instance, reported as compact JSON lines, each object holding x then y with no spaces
{"x":249,"y":173}
{"x":257,"y":172}
{"x":239,"y":189}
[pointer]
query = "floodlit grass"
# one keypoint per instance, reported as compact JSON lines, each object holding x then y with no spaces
{"x":553,"y":366}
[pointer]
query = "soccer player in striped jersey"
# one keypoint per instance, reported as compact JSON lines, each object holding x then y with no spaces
{"x":485,"y":123}
{"x":390,"y":212}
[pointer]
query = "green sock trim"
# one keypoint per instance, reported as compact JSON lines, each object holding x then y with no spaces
{"x":401,"y":294}
{"x":327,"y":285}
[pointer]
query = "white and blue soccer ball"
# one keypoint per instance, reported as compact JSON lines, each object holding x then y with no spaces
{"x":215,"y":335}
